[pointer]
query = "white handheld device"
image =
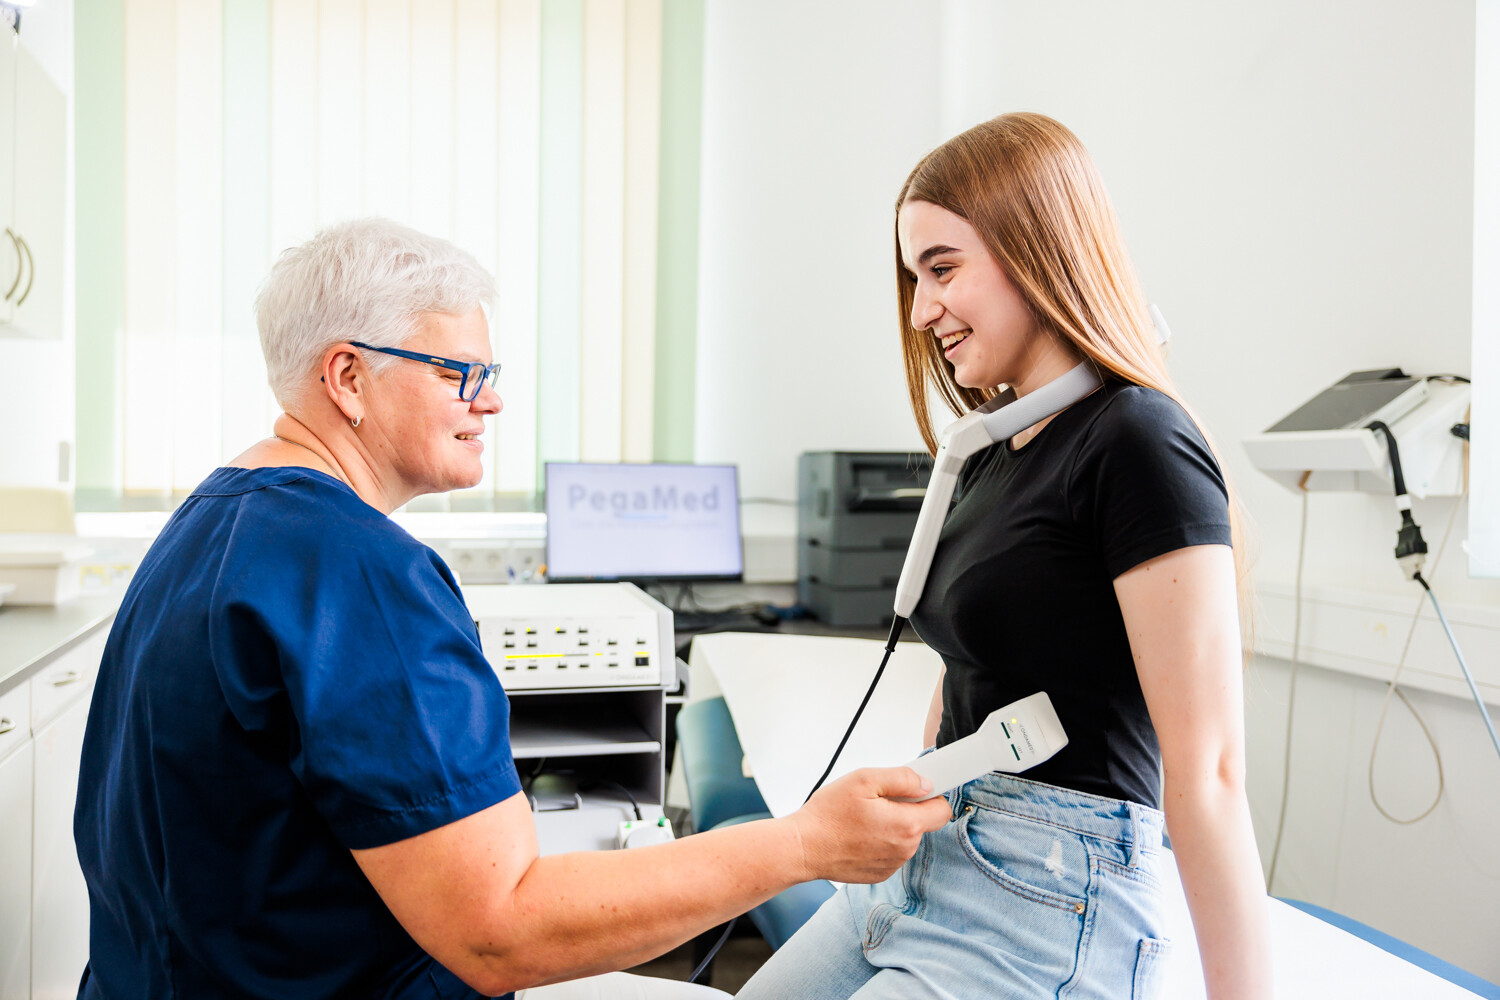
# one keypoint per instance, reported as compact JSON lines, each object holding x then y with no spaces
{"x":1014,"y":738}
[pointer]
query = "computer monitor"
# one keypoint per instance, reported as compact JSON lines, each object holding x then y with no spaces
{"x":643,"y":523}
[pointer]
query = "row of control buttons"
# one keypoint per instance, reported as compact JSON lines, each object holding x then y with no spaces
{"x":640,"y":661}
{"x":562,"y":631}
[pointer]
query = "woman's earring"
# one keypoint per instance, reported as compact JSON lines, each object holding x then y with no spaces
{"x":354,"y":422}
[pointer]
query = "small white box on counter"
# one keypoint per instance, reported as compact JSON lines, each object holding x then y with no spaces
{"x":43,"y":571}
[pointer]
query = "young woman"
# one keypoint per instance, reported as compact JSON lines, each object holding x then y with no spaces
{"x":1091,"y":556}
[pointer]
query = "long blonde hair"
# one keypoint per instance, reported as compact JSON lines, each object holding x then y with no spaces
{"x":1032,"y":193}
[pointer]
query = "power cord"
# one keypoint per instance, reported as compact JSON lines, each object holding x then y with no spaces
{"x":897,"y":624}
{"x":1391,"y":689}
{"x":1462,"y":663}
{"x":1411,"y":550}
{"x":1291,"y":702}
{"x":1411,"y":553}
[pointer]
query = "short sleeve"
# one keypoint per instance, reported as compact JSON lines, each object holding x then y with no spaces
{"x":1145,"y":483}
{"x":356,"y":649}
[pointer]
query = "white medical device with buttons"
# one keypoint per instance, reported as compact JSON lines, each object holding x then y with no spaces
{"x":566,"y":636}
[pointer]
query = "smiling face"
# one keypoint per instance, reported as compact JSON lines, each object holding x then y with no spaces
{"x":965,"y":300}
{"x":421,"y":435}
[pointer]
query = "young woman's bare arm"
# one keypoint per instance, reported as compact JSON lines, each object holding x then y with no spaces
{"x":934,"y":712}
{"x":1181,"y":614}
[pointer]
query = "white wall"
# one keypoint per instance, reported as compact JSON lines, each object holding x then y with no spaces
{"x":812,"y":116}
{"x":1436,"y":883}
{"x":1484,"y":520}
{"x":1295,"y":180}
{"x":36,"y":377}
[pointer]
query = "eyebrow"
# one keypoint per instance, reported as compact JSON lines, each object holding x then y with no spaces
{"x":935,"y":251}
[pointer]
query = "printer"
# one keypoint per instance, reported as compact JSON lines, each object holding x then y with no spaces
{"x":855,"y":515}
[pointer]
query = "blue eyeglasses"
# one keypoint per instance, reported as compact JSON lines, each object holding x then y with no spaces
{"x":475,"y":375}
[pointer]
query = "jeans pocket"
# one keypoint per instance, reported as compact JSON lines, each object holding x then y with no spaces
{"x":1150,"y":958}
{"x":1033,"y":860}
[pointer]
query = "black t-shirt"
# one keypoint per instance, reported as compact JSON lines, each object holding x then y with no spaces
{"x":1021,"y":595}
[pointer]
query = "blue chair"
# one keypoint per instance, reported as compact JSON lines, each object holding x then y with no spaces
{"x":1399,"y":948}
{"x":721,"y":796}
{"x":711,"y":761}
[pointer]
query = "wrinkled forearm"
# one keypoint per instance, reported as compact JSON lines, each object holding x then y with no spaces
{"x":580,"y":914}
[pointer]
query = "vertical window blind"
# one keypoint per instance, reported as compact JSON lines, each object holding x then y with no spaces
{"x":526,"y":131}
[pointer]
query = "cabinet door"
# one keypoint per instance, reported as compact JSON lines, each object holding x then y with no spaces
{"x":60,"y":901}
{"x":15,"y":874}
{"x":10,"y":251}
{"x":39,"y":192}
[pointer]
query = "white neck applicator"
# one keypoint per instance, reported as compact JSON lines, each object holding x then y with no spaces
{"x":1000,"y":419}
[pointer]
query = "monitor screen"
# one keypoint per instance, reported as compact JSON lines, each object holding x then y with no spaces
{"x":643,"y":522}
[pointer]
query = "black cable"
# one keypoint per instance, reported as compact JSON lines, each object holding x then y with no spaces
{"x":1390,"y":443}
{"x":714,"y":950}
{"x":1411,"y":549}
{"x":890,"y":647}
{"x":588,"y":783}
{"x":897,"y":623}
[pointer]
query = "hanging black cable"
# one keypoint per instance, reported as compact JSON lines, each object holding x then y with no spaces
{"x":1411,"y":549}
{"x":890,"y":647}
{"x":897,"y":624}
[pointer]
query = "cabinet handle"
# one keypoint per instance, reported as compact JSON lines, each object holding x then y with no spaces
{"x":66,"y":677}
{"x":6,"y":725}
{"x":30,"y":270}
{"x":19,"y":263}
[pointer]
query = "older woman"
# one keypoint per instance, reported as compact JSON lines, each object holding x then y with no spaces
{"x":297,"y":780}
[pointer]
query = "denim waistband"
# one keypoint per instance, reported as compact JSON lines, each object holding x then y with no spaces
{"x":1133,"y":826}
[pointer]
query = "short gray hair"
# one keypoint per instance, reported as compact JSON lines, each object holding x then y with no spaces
{"x":367,"y":280}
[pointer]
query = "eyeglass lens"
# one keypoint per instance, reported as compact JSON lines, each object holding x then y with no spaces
{"x":474,"y":381}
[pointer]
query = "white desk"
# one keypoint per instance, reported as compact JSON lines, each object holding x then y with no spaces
{"x":793,"y":696}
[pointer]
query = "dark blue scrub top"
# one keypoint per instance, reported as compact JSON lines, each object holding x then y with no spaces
{"x":291,"y":675}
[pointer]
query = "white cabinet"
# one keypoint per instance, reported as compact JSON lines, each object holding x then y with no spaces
{"x":33,"y":192}
{"x":60,"y":901}
{"x":44,"y":905}
{"x":606,"y":745}
{"x":15,"y":872}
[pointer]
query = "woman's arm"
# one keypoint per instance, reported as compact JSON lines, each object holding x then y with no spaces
{"x":475,"y":895}
{"x":1182,"y":617}
{"x":934,"y":712}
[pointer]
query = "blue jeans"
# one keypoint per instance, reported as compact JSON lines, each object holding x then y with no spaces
{"x":1031,"y":891}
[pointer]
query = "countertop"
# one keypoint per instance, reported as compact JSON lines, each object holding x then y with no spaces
{"x":31,"y":636}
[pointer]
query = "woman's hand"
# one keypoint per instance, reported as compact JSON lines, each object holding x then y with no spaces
{"x":853,"y":831}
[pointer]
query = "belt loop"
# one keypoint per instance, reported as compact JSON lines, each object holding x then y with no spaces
{"x":1136,"y":832}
